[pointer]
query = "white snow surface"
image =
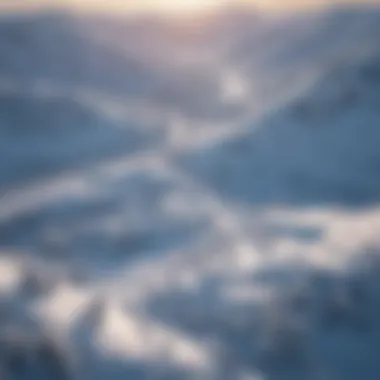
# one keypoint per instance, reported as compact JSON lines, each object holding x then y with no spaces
{"x":196,"y":201}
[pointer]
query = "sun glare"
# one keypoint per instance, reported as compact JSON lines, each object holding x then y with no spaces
{"x":182,"y":6}
{"x":165,"y":6}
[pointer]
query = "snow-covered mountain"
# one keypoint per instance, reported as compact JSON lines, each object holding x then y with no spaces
{"x":194,"y":199}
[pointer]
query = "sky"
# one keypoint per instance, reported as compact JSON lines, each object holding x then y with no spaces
{"x":166,"y":6}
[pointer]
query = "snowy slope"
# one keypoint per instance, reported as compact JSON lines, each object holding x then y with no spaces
{"x":180,"y":205}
